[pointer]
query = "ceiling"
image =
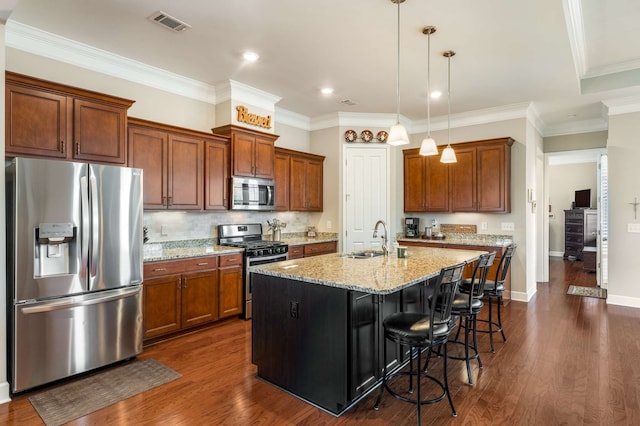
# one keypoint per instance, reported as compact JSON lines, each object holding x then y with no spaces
{"x":564,"y":57}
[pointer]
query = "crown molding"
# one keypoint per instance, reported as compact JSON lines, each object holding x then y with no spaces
{"x":622,"y":105}
{"x":293,"y":119}
{"x":584,"y":126}
{"x":240,"y":92}
{"x":575,"y":31}
{"x":32,"y":40}
{"x":357,"y":119}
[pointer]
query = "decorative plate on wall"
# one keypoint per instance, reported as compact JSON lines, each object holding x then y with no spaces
{"x":382,"y":136}
{"x":366,"y":135}
{"x":350,"y":136}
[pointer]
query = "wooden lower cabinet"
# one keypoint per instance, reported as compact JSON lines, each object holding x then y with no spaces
{"x":230,"y":282}
{"x":181,"y":294}
{"x":316,"y":249}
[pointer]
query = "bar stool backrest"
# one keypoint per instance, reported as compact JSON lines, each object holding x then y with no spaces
{"x":505,"y":263}
{"x":446,"y":288}
{"x":480,"y":273}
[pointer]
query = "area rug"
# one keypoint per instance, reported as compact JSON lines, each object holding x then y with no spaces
{"x":587,"y":291}
{"x":78,"y":398}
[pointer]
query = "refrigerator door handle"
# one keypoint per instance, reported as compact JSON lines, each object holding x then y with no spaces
{"x":95,"y":229}
{"x":87,"y":300}
{"x":84,"y":190}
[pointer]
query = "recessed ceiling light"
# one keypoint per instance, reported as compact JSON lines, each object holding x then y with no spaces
{"x":250,"y":56}
{"x":326,"y":90}
{"x":436,"y":94}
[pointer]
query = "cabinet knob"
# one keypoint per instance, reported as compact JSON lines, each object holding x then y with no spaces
{"x":77,"y":148}
{"x":62,"y":147}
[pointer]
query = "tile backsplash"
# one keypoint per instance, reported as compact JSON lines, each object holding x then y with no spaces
{"x":197,"y":225}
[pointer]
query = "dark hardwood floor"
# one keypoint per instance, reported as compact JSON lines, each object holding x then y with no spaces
{"x":569,"y":360}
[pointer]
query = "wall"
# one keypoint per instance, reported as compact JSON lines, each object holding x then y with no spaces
{"x":564,"y":180}
{"x":624,"y":177}
{"x":325,"y":142}
{"x":4,"y":385}
{"x":576,"y":141}
{"x":151,"y":104}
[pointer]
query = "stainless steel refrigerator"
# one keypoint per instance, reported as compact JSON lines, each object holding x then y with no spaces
{"x":74,"y":268}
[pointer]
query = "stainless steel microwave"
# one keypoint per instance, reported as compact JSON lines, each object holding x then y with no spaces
{"x":252,"y":194}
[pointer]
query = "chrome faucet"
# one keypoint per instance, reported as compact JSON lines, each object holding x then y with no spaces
{"x":385,"y":240}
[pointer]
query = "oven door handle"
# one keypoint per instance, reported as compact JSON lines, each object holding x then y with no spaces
{"x":264,"y":259}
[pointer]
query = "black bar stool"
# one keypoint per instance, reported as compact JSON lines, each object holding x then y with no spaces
{"x":421,"y":331}
{"x":467,"y":304}
{"x":493,"y":293}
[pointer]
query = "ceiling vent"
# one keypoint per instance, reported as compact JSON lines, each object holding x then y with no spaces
{"x":168,"y":21}
{"x":347,"y":102}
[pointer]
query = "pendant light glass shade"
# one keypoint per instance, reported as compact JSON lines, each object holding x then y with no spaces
{"x":448,"y":155}
{"x":398,"y":134}
{"x":428,"y":146}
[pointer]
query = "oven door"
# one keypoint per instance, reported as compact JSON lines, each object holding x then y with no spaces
{"x":254,"y":261}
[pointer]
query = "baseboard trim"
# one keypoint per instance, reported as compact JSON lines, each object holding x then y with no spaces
{"x":4,"y":393}
{"x":556,"y":254}
{"x":631,"y":302}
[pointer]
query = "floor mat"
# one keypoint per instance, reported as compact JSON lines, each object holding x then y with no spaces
{"x":72,"y":400}
{"x":587,"y":291}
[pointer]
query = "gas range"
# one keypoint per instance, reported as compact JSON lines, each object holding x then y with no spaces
{"x":249,"y":237}
{"x":259,"y":248}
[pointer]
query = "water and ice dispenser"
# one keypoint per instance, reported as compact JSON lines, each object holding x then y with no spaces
{"x":55,"y":251}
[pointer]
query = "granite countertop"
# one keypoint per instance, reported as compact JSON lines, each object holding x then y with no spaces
{"x":378,"y":275}
{"x":296,"y":241}
{"x":184,"y":249}
{"x":464,"y":239}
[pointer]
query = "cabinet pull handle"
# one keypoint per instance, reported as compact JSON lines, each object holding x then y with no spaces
{"x":184,"y":281}
{"x":62,"y":147}
{"x":159,"y":269}
{"x":203,"y":263}
{"x":77,"y":148}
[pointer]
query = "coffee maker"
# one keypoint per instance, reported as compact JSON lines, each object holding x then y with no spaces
{"x":412,"y":227}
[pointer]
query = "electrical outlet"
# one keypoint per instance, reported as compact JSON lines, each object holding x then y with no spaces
{"x":508,"y":226}
{"x":164,"y":230}
{"x":633,"y":227}
{"x":329,"y":224}
{"x":484,"y":226}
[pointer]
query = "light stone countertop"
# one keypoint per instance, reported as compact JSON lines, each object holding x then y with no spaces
{"x":377,"y":275}
{"x":154,"y":252}
{"x":465,"y":240}
{"x":296,"y":241}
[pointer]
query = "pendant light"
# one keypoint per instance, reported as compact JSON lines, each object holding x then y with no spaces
{"x":397,"y":133}
{"x":448,"y":155}
{"x":428,"y":146}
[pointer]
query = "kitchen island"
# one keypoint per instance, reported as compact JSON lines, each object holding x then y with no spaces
{"x":317,"y":323}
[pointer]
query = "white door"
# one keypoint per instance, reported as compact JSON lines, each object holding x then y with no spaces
{"x":602,"y":255}
{"x":366,"y":188}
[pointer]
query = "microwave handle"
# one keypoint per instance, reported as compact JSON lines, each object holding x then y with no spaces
{"x":269,"y":195}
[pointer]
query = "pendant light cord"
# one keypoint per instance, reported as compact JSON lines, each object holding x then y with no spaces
{"x":429,"y":85}
{"x":449,"y":100}
{"x":398,"y":75}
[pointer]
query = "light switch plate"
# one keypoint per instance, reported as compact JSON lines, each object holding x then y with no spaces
{"x":633,"y":227}
{"x":484,"y":226}
{"x":508,"y":226}
{"x":164,"y":230}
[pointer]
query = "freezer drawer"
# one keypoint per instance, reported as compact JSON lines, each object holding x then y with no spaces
{"x":60,"y":338}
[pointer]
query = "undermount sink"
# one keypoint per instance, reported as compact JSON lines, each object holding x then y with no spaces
{"x":364,"y":254}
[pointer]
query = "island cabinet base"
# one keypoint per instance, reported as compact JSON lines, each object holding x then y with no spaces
{"x":321,"y":343}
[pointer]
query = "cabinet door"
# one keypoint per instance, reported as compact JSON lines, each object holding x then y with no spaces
{"x":314,"y":185}
{"x":185,"y":173}
{"x":230,"y":279}
{"x":162,"y":303}
{"x":148,"y":151}
{"x":36,"y":123}
{"x":297,"y":186}
{"x":99,"y":132}
{"x":414,"y":183}
{"x":363,"y":336}
{"x":463,"y":181}
{"x":216,"y":184}
{"x":281,"y":177}
{"x":492,"y":175}
{"x":199,"y":298}
{"x":437,"y":184}
{"x":264,"y":156}
{"x":243,"y":154}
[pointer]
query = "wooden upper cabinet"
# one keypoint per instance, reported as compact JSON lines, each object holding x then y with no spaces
{"x":464,"y":181}
{"x":173,"y":162}
{"x":252,"y":151}
{"x":45,"y":119}
{"x":281,"y":175}
{"x":305,"y":182}
{"x":426,"y":183}
{"x":216,"y":169}
{"x":480,"y":180}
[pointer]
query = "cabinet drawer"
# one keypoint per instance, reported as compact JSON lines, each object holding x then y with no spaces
{"x":319,"y":248}
{"x":573,"y":238}
{"x":157,"y":269}
{"x":296,"y":252}
{"x":230,"y":259}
